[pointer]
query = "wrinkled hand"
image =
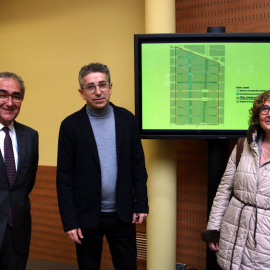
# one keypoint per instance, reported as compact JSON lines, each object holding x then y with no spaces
{"x":74,"y":235}
{"x":213,"y":246}
{"x":141,"y":218}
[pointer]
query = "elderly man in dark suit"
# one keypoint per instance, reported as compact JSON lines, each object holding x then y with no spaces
{"x":101,"y":175}
{"x":18,"y":167}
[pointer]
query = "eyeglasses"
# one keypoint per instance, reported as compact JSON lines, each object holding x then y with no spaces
{"x":91,"y":88}
{"x":264,"y":109}
{"x":17,"y":98}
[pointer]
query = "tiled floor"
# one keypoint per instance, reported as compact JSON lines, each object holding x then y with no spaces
{"x":34,"y":264}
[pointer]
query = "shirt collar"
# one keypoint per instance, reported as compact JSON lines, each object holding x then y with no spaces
{"x":11,"y":126}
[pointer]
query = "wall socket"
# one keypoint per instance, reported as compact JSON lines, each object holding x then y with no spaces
{"x":180,"y":266}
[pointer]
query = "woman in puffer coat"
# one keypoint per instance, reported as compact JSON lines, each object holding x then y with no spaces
{"x":239,"y":226}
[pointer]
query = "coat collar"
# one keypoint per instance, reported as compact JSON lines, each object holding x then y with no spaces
{"x":254,"y":133}
{"x":86,"y":129}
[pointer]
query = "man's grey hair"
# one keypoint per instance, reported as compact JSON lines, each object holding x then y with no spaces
{"x":93,"y":67}
{"x":8,"y":75}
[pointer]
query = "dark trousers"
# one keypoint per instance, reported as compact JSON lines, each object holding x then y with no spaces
{"x":10,"y":259}
{"x":121,"y":238}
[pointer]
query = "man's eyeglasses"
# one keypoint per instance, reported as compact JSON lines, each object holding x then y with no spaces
{"x":264,"y":109}
{"x":17,"y":98}
{"x":91,"y":88}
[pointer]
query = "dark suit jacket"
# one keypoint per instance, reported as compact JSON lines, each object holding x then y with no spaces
{"x":16,"y":195}
{"x":79,"y":172}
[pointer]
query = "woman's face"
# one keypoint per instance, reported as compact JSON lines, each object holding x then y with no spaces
{"x":265,"y":116}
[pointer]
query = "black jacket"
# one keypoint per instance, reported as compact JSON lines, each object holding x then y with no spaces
{"x":79,"y":172}
{"x":16,"y":195}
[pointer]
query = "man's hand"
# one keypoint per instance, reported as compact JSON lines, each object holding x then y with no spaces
{"x":139,"y":218}
{"x":74,"y":235}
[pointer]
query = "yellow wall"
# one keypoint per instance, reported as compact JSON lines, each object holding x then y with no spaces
{"x":47,"y":42}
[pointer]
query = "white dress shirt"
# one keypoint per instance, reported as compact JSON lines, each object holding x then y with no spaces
{"x":13,"y":137}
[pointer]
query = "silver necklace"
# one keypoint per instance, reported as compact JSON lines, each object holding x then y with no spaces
{"x":263,"y":156}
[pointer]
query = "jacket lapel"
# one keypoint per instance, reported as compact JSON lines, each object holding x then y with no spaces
{"x":21,"y":145}
{"x":87,"y":131}
{"x":3,"y":174}
{"x":118,"y":129}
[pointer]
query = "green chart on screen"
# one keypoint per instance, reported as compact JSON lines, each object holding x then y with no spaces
{"x":207,"y":86}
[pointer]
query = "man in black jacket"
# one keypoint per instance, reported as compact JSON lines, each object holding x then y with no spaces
{"x":18,"y":167}
{"x":101,"y":175}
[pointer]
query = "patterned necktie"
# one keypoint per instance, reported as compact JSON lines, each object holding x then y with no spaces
{"x":9,"y":157}
{"x":9,"y":164}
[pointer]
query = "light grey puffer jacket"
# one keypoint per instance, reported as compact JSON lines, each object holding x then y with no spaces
{"x":243,"y":221}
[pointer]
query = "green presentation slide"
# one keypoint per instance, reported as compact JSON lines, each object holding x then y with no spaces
{"x":202,"y":86}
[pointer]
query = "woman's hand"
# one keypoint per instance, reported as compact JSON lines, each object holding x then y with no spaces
{"x":213,"y":246}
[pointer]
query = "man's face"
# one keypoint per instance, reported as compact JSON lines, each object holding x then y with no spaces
{"x":9,"y":109}
{"x":99,"y":99}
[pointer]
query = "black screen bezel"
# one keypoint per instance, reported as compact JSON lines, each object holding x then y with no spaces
{"x":140,"y":39}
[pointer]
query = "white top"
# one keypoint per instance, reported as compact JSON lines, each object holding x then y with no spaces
{"x":13,"y":137}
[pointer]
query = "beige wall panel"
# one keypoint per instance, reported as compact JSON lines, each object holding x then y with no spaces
{"x":47,"y":42}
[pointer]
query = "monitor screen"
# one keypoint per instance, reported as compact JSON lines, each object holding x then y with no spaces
{"x":198,"y":86}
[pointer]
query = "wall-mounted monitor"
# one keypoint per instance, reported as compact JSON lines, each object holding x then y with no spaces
{"x":198,"y":86}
